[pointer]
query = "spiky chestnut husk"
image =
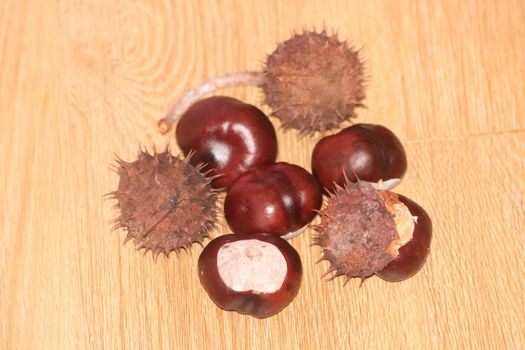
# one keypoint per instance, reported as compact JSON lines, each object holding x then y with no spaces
{"x":165,"y":203}
{"x":314,"y":82}
{"x":356,"y":230}
{"x":363,"y":231}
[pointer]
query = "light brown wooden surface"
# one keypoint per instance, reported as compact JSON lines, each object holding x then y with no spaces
{"x":81,"y":80}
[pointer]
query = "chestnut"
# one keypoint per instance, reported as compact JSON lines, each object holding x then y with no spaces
{"x":227,"y":135}
{"x":365,"y":231}
{"x":414,"y":243}
{"x":280,"y":199}
{"x":257,"y":274}
{"x":366,"y":152}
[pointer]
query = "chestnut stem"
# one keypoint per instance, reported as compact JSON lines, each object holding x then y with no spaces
{"x":244,"y":78}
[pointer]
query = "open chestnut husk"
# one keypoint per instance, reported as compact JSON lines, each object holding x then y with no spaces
{"x":280,"y":199}
{"x":255,"y":274}
{"x":367,"y":152}
{"x":365,"y":231}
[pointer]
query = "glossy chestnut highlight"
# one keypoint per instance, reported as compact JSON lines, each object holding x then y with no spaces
{"x":279,"y":199}
{"x":229,"y":136}
{"x":362,"y":151}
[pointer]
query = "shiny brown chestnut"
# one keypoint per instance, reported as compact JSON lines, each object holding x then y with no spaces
{"x":369,"y":152}
{"x":257,"y":274}
{"x":280,"y":199}
{"x":228,"y":135}
{"x":414,"y":246}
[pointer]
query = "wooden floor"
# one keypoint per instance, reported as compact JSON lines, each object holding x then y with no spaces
{"x":82,"y":80}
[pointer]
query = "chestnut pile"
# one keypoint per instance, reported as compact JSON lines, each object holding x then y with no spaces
{"x":167,"y":203}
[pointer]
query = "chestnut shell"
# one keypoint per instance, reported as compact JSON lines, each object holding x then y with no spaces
{"x":413,"y":254}
{"x":165,"y":203}
{"x":229,"y":136}
{"x":279,"y":198}
{"x":260,"y":305}
{"x":365,"y":151}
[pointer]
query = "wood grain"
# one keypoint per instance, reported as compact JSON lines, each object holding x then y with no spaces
{"x":82,"y":80}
